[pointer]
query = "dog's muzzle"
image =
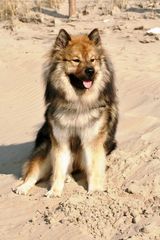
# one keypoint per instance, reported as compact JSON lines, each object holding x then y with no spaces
{"x":89,"y":71}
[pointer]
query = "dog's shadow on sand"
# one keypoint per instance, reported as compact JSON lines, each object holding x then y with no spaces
{"x":12,"y":158}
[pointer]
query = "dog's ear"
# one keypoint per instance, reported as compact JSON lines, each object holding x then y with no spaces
{"x":62,"y":39}
{"x":95,"y":37}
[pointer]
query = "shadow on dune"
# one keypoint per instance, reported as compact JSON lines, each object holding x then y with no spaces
{"x":143,"y":10}
{"x":13,"y":156}
{"x":50,"y":12}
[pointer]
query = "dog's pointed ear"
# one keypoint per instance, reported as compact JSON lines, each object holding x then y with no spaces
{"x":62,"y":39}
{"x":95,"y":37}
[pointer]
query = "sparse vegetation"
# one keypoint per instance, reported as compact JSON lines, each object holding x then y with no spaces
{"x":22,"y":8}
{"x":48,"y":3}
{"x":13,"y":8}
{"x":119,"y":3}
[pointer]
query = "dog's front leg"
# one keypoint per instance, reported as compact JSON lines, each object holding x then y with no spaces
{"x":95,"y":166}
{"x":61,"y":159}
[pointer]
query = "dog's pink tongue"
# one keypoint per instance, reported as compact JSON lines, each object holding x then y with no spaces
{"x":87,"y":84}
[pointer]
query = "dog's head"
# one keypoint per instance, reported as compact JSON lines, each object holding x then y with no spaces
{"x":80,"y":56}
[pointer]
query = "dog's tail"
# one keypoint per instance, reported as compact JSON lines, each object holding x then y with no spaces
{"x":110,"y":143}
{"x":43,"y":142}
{"x":39,"y":155}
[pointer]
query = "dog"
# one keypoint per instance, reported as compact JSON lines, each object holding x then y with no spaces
{"x":81,"y":115}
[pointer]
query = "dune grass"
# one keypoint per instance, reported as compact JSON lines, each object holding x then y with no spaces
{"x":15,"y":8}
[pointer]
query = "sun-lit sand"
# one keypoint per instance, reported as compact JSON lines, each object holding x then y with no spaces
{"x":130,"y":205}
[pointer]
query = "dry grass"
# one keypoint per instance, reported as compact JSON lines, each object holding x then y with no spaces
{"x":13,"y":8}
{"x":111,"y":7}
{"x":55,"y":3}
{"x":10,"y":9}
{"x":48,"y":3}
{"x":119,"y":3}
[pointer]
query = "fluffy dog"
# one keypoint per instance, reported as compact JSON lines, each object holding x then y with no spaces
{"x":81,"y":115}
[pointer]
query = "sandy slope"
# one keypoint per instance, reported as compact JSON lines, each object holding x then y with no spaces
{"x":129,"y":209}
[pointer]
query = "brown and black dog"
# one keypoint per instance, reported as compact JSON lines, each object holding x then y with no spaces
{"x":81,"y":115}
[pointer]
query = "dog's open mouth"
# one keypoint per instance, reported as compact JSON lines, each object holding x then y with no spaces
{"x":87,"y":83}
{"x":80,"y":83}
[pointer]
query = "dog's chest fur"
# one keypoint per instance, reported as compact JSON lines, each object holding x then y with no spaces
{"x":84,"y":123}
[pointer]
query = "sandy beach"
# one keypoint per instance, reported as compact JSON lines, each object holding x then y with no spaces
{"x":130,"y":206}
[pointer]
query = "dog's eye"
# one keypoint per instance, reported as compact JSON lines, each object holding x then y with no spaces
{"x":76,"y":60}
{"x":92,"y":59}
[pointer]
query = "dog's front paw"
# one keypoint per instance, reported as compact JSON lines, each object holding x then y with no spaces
{"x":68,"y":179}
{"x":53,"y":193}
{"x":96,"y":185}
{"x":21,"y":190}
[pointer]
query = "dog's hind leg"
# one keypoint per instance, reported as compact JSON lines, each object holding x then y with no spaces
{"x":39,"y":165}
{"x":34,"y":170}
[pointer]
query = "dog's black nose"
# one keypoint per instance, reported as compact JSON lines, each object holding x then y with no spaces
{"x":89,"y":71}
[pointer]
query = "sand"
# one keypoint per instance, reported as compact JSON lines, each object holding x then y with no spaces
{"x":130,"y":206}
